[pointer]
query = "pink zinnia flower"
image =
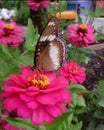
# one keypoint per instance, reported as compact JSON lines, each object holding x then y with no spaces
{"x":73,"y":72}
{"x":36,"y":95}
{"x":36,"y":4}
{"x":5,"y":125}
{"x":10,"y":34}
{"x":81,"y":35}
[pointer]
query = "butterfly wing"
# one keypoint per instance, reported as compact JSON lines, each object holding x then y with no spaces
{"x":50,"y":51}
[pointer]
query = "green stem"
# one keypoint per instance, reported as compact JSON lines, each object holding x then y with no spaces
{"x":24,"y":53}
{"x":75,"y":54}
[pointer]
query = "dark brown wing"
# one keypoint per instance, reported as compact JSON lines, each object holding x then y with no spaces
{"x":51,"y":48}
{"x":52,"y":28}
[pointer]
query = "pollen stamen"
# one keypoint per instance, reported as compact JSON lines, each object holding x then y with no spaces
{"x":73,"y":71}
{"x":9,"y":26}
{"x":40,"y":81}
{"x":83,"y":27}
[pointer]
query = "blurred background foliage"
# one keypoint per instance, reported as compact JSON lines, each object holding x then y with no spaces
{"x":22,"y":10}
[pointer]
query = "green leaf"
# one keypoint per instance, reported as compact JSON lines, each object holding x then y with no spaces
{"x":100,"y":88}
{"x":87,"y":59}
{"x":77,"y":126}
{"x":81,"y":101}
{"x":31,"y":37}
{"x":79,"y":19}
{"x":21,"y":123}
{"x":79,"y":54}
{"x":3,"y":67}
{"x":99,"y":12}
{"x":77,"y":88}
{"x":101,"y":103}
{"x":99,"y":113}
{"x":79,"y":110}
{"x":62,"y":5}
{"x":100,"y":36}
{"x":83,"y":9}
{"x":22,"y":12}
{"x":92,"y":123}
{"x":62,"y":121}
{"x":86,"y":50}
{"x":14,"y":52}
{"x":78,"y":100}
{"x":26,"y":59}
{"x":6,"y":52}
{"x":101,"y":85}
{"x":100,"y":127}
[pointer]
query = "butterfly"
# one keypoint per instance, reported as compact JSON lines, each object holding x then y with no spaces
{"x":51,"y":49}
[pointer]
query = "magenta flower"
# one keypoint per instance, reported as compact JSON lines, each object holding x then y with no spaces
{"x":36,"y":4}
{"x":5,"y":125}
{"x":73,"y":72}
{"x":37,"y":96}
{"x":81,"y":35}
{"x":10,"y":34}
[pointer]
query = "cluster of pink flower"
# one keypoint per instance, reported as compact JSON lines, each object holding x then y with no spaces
{"x":10,"y":34}
{"x":41,"y":96}
{"x":36,"y":4}
{"x":81,"y":35}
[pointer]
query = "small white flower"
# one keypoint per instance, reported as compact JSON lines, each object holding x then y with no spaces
{"x":4,"y":14}
{"x":7,"y":14}
{"x":12,"y":13}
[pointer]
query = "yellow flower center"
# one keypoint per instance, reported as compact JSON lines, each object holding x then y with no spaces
{"x":73,"y":71}
{"x":83,"y":27}
{"x":40,"y":81}
{"x":9,"y":26}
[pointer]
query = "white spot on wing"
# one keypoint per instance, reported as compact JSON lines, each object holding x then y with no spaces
{"x":43,"y":38}
{"x":54,"y":55}
{"x":51,"y":37}
{"x":48,"y":37}
{"x":51,"y":23}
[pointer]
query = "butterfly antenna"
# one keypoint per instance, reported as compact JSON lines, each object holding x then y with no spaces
{"x":33,"y":68}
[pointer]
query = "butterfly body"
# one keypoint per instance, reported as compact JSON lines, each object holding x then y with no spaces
{"x":51,"y":49}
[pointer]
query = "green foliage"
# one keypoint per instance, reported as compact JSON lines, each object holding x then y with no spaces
{"x":99,"y":12}
{"x":79,"y":55}
{"x":22,"y":15}
{"x":11,"y":60}
{"x":76,"y":108}
{"x":12,"y":4}
{"x":95,"y":109}
{"x":78,"y":100}
{"x":99,"y":113}
{"x":75,"y":88}
{"x":77,"y":126}
{"x":62,"y":6}
{"x":55,"y":8}
{"x":22,"y":10}
{"x":100,"y":36}
{"x":61,"y":122}
{"x":78,"y":104}
{"x":100,"y":33}
{"x":31,"y":36}
{"x":21,"y":123}
{"x":100,"y":88}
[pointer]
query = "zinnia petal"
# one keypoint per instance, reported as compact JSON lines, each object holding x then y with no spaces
{"x":25,"y":94}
